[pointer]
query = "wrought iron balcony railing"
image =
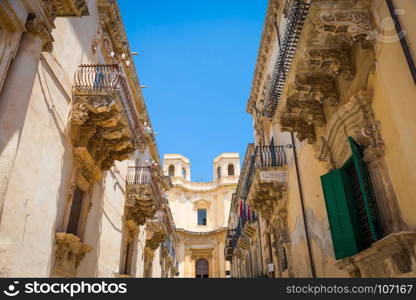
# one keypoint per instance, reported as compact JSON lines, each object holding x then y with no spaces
{"x":296,"y":16}
{"x":262,"y":157}
{"x":101,"y":79}
{"x":139,"y":175}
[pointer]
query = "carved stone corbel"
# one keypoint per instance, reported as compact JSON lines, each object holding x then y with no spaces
{"x":69,"y":252}
{"x":140,"y":204}
{"x":321,"y":87}
{"x":308,"y":109}
{"x":354,"y":25}
{"x":70,"y":8}
{"x":155,"y":234}
{"x":296,"y":124}
{"x":38,"y":26}
{"x":333,"y":60}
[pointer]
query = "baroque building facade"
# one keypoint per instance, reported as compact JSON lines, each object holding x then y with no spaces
{"x":200,"y":211}
{"x":82,"y":191}
{"x":331,"y":175}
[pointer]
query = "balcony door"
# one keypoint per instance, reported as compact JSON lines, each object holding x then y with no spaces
{"x":201,"y":268}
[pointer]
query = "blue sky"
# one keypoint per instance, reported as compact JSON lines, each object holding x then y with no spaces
{"x":197,"y":59}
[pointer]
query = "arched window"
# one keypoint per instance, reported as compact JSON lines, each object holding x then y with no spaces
{"x":184,"y":173}
{"x":230,"y":170}
{"x":171,"y":170}
{"x":201,"y":268}
{"x":219,"y":172}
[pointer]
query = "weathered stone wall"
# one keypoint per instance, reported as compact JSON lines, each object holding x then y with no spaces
{"x":37,"y":165}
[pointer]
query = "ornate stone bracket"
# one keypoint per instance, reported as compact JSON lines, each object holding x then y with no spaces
{"x":321,"y":87}
{"x":293,"y":123}
{"x":264,"y":193}
{"x":155,"y":234}
{"x":336,"y":61}
{"x":38,"y":26}
{"x":354,"y":25}
{"x":69,"y":252}
{"x":70,"y":8}
{"x":140,"y":203}
{"x":310,"y":110}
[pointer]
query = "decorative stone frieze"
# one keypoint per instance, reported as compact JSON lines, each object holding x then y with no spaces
{"x":69,"y":252}
{"x":392,"y":256}
{"x":321,"y":87}
{"x":109,"y":16}
{"x":70,"y":8}
{"x":336,"y":61}
{"x":354,"y":25}
{"x":38,"y":26}
{"x":269,"y":186}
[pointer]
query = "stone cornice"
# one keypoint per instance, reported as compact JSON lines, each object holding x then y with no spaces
{"x":264,"y":53}
{"x":199,"y":233}
{"x":113,"y":24}
{"x":201,"y":187}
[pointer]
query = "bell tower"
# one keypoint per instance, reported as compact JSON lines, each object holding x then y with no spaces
{"x":227,"y":167}
{"x":177,"y":166}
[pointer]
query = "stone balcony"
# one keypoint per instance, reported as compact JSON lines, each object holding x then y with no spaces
{"x":69,"y":252}
{"x":317,"y":60}
{"x":155,"y":232}
{"x":103,"y":124}
{"x":142,"y":194}
{"x":266,"y":178}
{"x":70,"y":8}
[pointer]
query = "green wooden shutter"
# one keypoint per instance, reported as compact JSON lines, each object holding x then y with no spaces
{"x":366,"y":190}
{"x":347,"y":238}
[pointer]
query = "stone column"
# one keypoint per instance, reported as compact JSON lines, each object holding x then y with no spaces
{"x":221,"y":259}
{"x":14,"y":99}
{"x":187,"y":264}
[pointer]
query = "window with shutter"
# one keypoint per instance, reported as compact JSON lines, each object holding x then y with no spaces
{"x":351,"y":208}
{"x":76,"y":208}
{"x":366,"y":188}
{"x":342,"y":217}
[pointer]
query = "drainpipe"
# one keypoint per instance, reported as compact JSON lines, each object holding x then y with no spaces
{"x":308,"y":240}
{"x":403,"y":41}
